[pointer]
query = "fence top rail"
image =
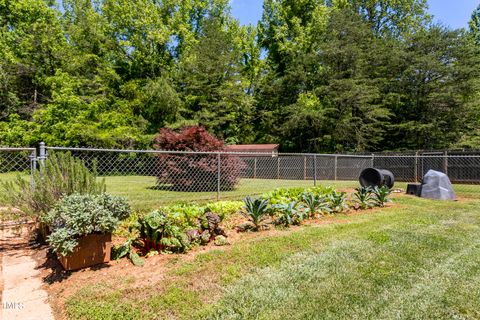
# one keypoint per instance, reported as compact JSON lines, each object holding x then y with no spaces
{"x":434,"y":156}
{"x":253,"y":154}
{"x":17,"y":149}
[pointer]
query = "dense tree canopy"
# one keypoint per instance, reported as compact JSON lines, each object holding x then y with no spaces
{"x":313,"y":75}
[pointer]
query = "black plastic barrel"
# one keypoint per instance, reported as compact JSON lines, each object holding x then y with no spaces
{"x":372,"y":177}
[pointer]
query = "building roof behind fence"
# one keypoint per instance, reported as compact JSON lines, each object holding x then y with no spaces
{"x":264,"y":148}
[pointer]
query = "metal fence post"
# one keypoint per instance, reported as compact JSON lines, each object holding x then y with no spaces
{"x":255,"y":168}
{"x":335,"y":167}
{"x":373,"y":160}
{"x":315,"y":170}
{"x":445,"y":163}
{"x":278,"y":167}
{"x":42,"y":156}
{"x":416,"y":167}
{"x":218,"y":176}
{"x":33,"y":167}
{"x":304,"y":168}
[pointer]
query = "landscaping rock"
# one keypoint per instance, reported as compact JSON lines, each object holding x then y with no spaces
{"x":221,"y":241}
{"x":436,"y":185}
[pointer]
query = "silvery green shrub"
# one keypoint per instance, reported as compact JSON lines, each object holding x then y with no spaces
{"x":80,"y":215}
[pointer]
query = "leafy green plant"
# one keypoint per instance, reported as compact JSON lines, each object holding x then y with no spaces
{"x":255,"y":209}
{"x":284,"y":195}
{"x":80,"y":215}
{"x":315,"y":203}
{"x":337,"y":201}
{"x":185,"y":215}
{"x":127,"y":249}
{"x":323,"y":191}
{"x":158,"y":232}
{"x":364,"y":198}
{"x":224,"y":208}
{"x":60,"y":175}
{"x":290,"y":214}
{"x":381,"y":195}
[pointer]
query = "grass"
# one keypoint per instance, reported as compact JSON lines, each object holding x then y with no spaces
{"x":143,"y":196}
{"x":419,"y":259}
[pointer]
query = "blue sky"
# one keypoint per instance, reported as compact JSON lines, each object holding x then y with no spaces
{"x":453,"y":13}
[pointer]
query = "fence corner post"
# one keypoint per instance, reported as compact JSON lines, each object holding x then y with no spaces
{"x":42,"y":155}
{"x":218,"y":175}
{"x":315,"y":170}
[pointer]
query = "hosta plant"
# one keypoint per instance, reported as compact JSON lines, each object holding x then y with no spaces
{"x":364,"y":198}
{"x":337,"y":201}
{"x":381,"y":195}
{"x":80,"y":215}
{"x":255,"y":209}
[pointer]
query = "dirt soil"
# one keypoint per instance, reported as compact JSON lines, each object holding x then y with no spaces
{"x":22,"y":292}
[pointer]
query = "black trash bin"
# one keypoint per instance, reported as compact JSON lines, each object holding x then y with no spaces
{"x":372,"y":177}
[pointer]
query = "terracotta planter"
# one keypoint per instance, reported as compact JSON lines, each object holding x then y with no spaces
{"x":91,"y":250}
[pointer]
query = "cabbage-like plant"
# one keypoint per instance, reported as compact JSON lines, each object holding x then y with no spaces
{"x":364,"y":198}
{"x":80,"y":215}
{"x":255,"y":209}
{"x":315,"y":203}
{"x":337,"y":201}
{"x":381,"y":195}
{"x":290,"y":214}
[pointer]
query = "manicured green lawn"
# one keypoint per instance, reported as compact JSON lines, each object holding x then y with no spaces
{"x":143,"y":196}
{"x":417,"y":260}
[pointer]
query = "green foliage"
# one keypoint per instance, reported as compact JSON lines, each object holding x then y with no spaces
{"x":381,"y":195}
{"x":474,"y":25}
{"x":315,"y":203}
{"x":255,"y":209}
{"x":127,"y":249}
{"x":60,"y":175}
{"x":364,"y":197}
{"x":290,"y":214}
{"x":282,"y":195}
{"x":80,"y":215}
{"x":159,"y":233}
{"x":224,"y":208}
{"x":187,"y":215}
{"x":337,"y":201}
{"x":314,"y":75}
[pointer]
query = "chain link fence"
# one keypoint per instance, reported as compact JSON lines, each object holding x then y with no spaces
{"x":151,"y":178}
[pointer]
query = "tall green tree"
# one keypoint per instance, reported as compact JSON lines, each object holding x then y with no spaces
{"x":474,"y":24}
{"x":211,"y":81}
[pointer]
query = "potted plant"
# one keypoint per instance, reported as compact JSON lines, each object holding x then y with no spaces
{"x":82,"y":227}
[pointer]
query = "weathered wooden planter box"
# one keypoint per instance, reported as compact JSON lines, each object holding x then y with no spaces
{"x":91,"y":250}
